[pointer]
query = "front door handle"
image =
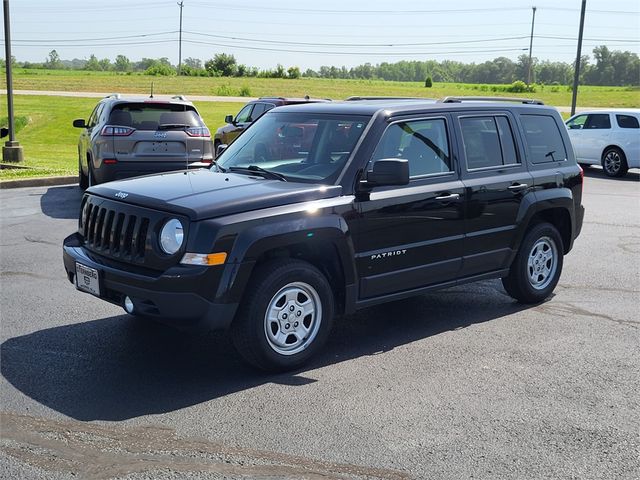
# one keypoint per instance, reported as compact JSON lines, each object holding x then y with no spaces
{"x":517,"y":187}
{"x":449,"y":197}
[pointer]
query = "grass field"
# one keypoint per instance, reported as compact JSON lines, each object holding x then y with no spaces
{"x":50,"y":142}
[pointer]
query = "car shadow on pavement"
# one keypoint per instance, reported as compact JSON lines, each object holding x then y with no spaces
{"x":61,"y":202}
{"x":121,"y":367}
{"x":597,"y":172}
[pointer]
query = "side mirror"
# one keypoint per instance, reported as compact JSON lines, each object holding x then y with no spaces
{"x":4,"y":131}
{"x":228,"y":119}
{"x":221,"y":148}
{"x":79,"y":123}
{"x":388,"y":171}
{"x":575,"y":127}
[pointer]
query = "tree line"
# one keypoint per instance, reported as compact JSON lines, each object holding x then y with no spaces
{"x":609,"y":67}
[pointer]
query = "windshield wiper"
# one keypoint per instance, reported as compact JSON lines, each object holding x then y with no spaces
{"x":169,"y":126}
{"x":260,"y":171}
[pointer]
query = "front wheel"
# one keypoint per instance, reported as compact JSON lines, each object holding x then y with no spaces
{"x":83,"y":180}
{"x":285,"y":316}
{"x":614,"y":162}
{"x":536,"y":269}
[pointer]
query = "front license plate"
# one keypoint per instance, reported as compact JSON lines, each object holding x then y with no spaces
{"x":87,"y":279}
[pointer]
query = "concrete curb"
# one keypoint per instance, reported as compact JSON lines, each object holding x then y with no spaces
{"x":38,"y":182}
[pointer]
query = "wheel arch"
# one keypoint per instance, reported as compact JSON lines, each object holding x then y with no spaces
{"x":613,"y":145}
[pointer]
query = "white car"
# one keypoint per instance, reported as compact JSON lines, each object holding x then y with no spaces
{"x":610,"y":138}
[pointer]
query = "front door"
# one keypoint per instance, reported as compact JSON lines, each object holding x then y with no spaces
{"x":411,"y":236}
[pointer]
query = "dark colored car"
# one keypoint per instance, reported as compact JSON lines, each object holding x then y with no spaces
{"x":322,"y":209}
{"x":128,"y":137}
{"x":250,"y":113}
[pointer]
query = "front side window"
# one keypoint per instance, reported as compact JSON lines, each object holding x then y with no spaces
{"x":577,"y":123}
{"x":154,"y":116}
{"x":423,"y":143}
{"x":244,"y":114}
{"x":627,"y":121}
{"x":598,"y":121}
{"x":544,"y":141}
{"x":303,"y":147}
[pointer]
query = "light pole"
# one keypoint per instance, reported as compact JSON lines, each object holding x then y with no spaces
{"x":12,"y":151}
{"x":576,"y":75}
{"x":180,"y":4}
{"x":533,"y":22}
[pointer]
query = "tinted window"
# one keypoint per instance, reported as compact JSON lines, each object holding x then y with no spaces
{"x":544,"y":142}
{"x":258,"y":110}
{"x":509,"y":153}
{"x":627,"y":121}
{"x":481,"y":142}
{"x":150,"y":116}
{"x":95,"y":115}
{"x":598,"y":121}
{"x":423,"y":143}
{"x":305,"y":147}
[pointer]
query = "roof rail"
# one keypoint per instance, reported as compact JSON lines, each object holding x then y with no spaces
{"x":272,"y":97}
{"x":113,"y":95}
{"x":182,"y":98}
{"x":529,"y":101}
{"x":357,"y":97}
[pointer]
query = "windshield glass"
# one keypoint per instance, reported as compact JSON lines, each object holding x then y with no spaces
{"x":304,"y":147}
{"x":150,"y":116}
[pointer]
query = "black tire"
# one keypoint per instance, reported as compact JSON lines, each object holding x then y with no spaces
{"x":83,"y":180}
{"x":526,"y":281}
{"x":91,"y":179}
{"x":614,"y":163}
{"x":256,"y":337}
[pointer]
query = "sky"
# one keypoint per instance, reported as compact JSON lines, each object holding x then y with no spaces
{"x":309,"y":34}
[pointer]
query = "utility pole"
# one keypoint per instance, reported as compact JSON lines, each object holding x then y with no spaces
{"x":180,"y":4}
{"x":576,"y":74}
{"x":12,"y":151}
{"x":533,"y":22}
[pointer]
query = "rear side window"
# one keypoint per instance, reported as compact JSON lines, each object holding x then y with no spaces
{"x":152,"y":116}
{"x":423,"y":143}
{"x":627,"y":121}
{"x":544,"y":142}
{"x":598,"y":121}
{"x":488,"y":142}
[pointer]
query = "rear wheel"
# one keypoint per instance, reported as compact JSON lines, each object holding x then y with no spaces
{"x":285,"y":316}
{"x":536,"y":269}
{"x":614,"y":162}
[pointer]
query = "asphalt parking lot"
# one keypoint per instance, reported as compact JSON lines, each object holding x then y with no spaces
{"x":460,"y":383}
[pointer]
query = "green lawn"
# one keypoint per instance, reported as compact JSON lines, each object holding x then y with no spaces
{"x":50,"y":142}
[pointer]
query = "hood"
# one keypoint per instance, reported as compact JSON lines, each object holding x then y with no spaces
{"x":205,"y":193}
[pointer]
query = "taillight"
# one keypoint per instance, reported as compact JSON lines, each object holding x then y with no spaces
{"x":198,"y":132}
{"x":109,"y":161}
{"x":113,"y":131}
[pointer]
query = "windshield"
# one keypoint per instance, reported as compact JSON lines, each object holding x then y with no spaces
{"x":151,"y":116}
{"x":304,"y":147}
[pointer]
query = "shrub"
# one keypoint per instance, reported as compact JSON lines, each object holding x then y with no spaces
{"x":160,"y":69}
{"x":245,"y":91}
{"x":428,"y":82}
{"x":225,"y":91}
{"x":518,"y":87}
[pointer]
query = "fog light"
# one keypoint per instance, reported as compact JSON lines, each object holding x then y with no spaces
{"x":128,"y":305}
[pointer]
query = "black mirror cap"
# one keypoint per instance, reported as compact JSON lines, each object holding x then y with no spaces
{"x":388,"y":171}
{"x":4,"y":131}
{"x":79,"y":123}
{"x":221,"y":148}
{"x":228,"y":119}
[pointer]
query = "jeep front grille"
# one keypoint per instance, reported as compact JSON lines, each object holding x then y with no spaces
{"x":116,"y":234}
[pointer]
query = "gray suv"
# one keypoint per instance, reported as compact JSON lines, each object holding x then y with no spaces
{"x":128,"y":137}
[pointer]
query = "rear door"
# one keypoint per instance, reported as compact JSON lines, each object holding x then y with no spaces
{"x":158,"y":132}
{"x":496,"y":179}
{"x":411,"y":236}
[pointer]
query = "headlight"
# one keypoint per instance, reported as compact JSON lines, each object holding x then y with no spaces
{"x":171,"y":236}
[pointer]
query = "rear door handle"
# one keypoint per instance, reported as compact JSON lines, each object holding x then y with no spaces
{"x":449,"y":197}
{"x":516,"y":187}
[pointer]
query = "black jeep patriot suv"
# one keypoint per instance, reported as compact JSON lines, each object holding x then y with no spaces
{"x":321,"y":209}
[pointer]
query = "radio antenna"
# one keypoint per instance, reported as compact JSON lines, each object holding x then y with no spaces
{"x":151,"y":96}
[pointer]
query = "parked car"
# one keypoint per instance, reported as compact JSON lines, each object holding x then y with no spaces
{"x":127,"y":137}
{"x":327,"y":208}
{"x":250,"y":113}
{"x":610,"y":138}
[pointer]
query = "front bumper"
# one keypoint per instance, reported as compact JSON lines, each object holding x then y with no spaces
{"x":177,"y":297}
